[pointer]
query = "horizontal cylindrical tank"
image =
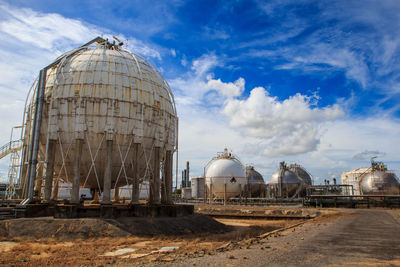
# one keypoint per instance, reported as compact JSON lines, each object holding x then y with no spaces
{"x":64,"y":191}
{"x":225,"y":176}
{"x":125,"y":192}
{"x":198,"y":187}
{"x":255,"y":182}
{"x":104,"y":98}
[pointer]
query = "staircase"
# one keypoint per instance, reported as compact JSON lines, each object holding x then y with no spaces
{"x":10,"y":147}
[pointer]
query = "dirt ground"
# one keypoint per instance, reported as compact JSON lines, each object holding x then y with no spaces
{"x":127,"y":241}
{"x":358,"y":237}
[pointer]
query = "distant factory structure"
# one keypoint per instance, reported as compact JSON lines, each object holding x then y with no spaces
{"x":226,"y":177}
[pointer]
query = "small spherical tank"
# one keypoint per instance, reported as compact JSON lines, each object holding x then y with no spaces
{"x":225,"y":176}
{"x":255,"y":182}
{"x":288,"y":177}
{"x":284,"y":182}
{"x":380,"y":182}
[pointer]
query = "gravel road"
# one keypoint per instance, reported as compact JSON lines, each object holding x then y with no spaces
{"x":363,"y":237}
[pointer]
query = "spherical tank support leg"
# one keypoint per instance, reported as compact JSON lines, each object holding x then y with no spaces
{"x":168,"y":176}
{"x":39,"y":181}
{"x":48,"y":180}
{"x":107,"y":174}
{"x":156,"y":176}
{"x":135,"y":183}
{"x":77,"y":170}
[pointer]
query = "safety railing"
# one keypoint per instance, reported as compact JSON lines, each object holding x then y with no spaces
{"x":10,"y":147}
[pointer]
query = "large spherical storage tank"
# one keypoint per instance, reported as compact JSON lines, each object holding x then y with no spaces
{"x":301,"y":172}
{"x":255,"y":182}
{"x":225,"y":176}
{"x":380,"y":182}
{"x":101,"y":98}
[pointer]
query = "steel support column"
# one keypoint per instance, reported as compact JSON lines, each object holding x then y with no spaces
{"x":48,"y":180}
{"x":107,"y":174}
{"x":163,"y":187}
{"x":168,"y":176}
{"x":77,"y":171}
{"x":39,"y":181}
{"x":156,"y":176}
{"x":135,"y":173}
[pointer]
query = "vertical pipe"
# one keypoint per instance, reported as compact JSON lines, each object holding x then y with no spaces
{"x":177,"y":153}
{"x":31,"y":142}
{"x":77,"y":171}
{"x":187,"y":174}
{"x":135,"y":177}
{"x":37,"y":121}
{"x":107,"y":174}
{"x":183,"y":183}
{"x":156,"y":176}
{"x":48,"y":180}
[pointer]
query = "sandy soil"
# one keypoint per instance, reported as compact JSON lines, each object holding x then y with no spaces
{"x":121,"y":248}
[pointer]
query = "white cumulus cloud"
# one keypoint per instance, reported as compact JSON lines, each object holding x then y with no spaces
{"x":227,"y":89}
{"x":281,"y":127}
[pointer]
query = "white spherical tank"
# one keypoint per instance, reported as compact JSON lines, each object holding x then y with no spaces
{"x":100,"y":95}
{"x":225,"y":176}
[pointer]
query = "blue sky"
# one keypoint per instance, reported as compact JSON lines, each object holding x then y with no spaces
{"x":311,"y":82}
